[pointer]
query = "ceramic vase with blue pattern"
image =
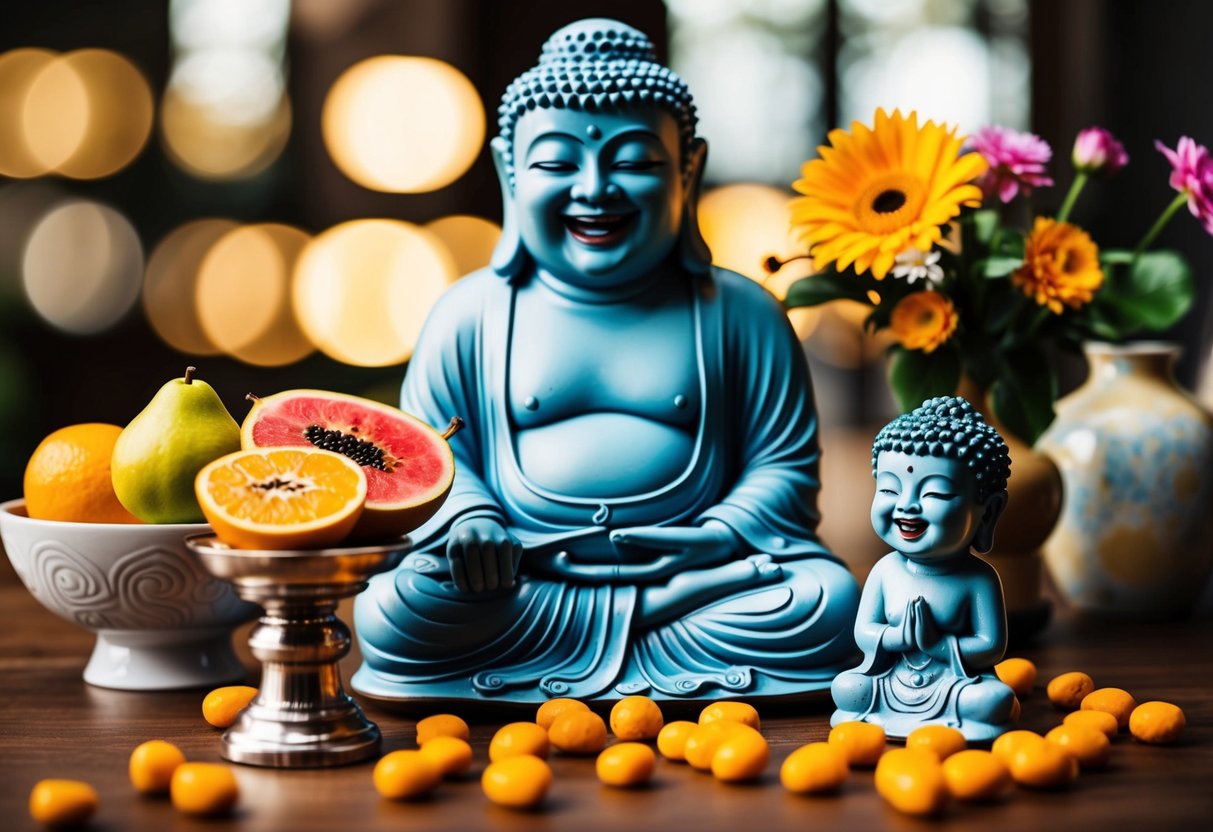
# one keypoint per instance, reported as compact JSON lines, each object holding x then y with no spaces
{"x":1136,"y":458}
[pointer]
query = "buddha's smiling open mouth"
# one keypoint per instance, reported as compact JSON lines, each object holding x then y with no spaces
{"x":599,"y":229}
{"x":911,"y":529}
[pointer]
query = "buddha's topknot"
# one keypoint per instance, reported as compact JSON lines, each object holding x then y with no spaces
{"x":597,"y":65}
{"x":950,"y":427}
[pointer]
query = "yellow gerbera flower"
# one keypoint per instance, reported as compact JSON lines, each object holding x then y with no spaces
{"x":1061,"y":266}
{"x":923,"y":321}
{"x":874,"y":193}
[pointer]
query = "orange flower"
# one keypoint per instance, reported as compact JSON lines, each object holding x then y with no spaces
{"x":923,"y":321}
{"x":1061,"y":266}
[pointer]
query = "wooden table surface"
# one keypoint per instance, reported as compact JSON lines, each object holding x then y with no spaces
{"x":54,"y":725}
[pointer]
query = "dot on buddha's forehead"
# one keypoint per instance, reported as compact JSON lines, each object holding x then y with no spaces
{"x":593,"y":132}
{"x":910,"y":469}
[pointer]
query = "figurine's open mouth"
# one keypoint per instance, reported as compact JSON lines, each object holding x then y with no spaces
{"x":598,"y":229}
{"x":911,"y":529}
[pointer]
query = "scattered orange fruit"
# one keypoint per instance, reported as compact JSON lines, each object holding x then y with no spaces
{"x":152,"y":765}
{"x":742,"y":755}
{"x":1067,"y":690}
{"x":1089,"y":746}
{"x":942,"y":740}
{"x":221,"y":706}
{"x":636,"y":718}
{"x":1119,"y":703}
{"x":626,"y":764}
{"x":1017,"y":674}
{"x":862,"y":742}
{"x":578,"y":732}
{"x":732,"y":712}
{"x":281,"y":498}
{"x":518,"y":738}
{"x":68,"y":477}
{"x":1042,"y":765}
{"x":672,"y":739}
{"x":441,"y":725}
{"x":553,"y":708}
{"x":701,"y":744}
{"x":1157,"y":722}
{"x":1007,"y":744}
{"x":405,"y":774}
{"x":451,"y":755}
{"x":912,"y":781}
{"x":517,"y":782}
{"x":204,"y":789}
{"x":1099,"y":720}
{"x":62,"y":802}
{"x":815,"y":768}
{"x":974,"y":774}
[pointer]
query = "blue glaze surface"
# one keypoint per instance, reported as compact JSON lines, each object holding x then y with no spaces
{"x":634,"y":507}
{"x":931,"y":620}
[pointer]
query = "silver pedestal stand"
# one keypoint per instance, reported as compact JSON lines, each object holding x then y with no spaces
{"x":301,"y":716}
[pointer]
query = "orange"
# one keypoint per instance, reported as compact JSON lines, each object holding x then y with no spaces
{"x":1042,"y":765}
{"x":152,"y":765}
{"x":672,"y":739}
{"x":1157,"y":722}
{"x":863,"y":742}
{"x":1067,"y":690}
{"x":518,"y":738}
{"x":68,"y":477}
{"x":626,"y":764}
{"x":451,"y":755}
{"x":976,"y":775}
{"x":702,"y":744}
{"x":1089,"y":746}
{"x":548,"y":711}
{"x":517,"y":782}
{"x":731,"y":711}
{"x":743,"y":755}
{"x":578,"y":732}
{"x":1099,"y":720}
{"x":1017,"y":674}
{"x":943,"y":740}
{"x":441,"y":725}
{"x":281,"y":498}
{"x":1008,"y":744}
{"x":223,"y":705}
{"x":636,"y":718}
{"x":912,"y":781}
{"x":815,"y":768}
{"x":403,"y":775}
{"x":203,"y":789}
{"x":59,"y":803}
{"x":1115,"y":701}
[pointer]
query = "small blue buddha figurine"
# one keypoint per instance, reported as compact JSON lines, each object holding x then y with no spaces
{"x":635,"y":501}
{"x":931,"y":620}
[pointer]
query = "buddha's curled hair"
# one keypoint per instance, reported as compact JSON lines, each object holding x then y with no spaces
{"x":949,"y":426}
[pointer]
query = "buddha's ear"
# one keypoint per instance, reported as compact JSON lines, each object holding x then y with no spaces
{"x":984,"y":539}
{"x":692,"y":248}
{"x":510,"y":256}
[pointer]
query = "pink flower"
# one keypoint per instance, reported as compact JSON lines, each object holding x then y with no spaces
{"x":1098,"y":151}
{"x":1017,"y":160}
{"x":1192,"y":174}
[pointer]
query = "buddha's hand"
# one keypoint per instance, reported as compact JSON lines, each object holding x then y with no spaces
{"x":693,"y":547}
{"x":483,"y":555}
{"x":899,"y":638}
{"x":926,"y":631}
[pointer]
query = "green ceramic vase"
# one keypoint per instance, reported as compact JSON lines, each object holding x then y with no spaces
{"x":1135,"y":452}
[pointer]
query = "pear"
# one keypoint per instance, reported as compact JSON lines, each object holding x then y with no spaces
{"x":158,"y":455}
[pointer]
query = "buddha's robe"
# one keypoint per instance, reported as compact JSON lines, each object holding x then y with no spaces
{"x":754,"y":468}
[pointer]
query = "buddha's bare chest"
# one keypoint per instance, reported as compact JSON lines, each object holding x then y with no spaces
{"x":569,"y":360}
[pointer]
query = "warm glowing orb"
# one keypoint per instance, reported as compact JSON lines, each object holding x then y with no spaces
{"x":18,"y":70}
{"x":170,"y":285}
{"x":471,"y":240}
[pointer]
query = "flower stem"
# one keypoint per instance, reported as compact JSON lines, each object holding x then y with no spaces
{"x":1161,"y":222}
{"x":1080,"y":182}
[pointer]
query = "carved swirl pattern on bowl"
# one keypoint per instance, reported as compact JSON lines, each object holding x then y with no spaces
{"x":149,"y":588}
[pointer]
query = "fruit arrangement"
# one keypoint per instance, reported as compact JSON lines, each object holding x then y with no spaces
{"x":307,"y":469}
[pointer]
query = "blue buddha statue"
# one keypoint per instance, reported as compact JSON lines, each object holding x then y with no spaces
{"x":634,"y":506}
{"x":931,"y":620}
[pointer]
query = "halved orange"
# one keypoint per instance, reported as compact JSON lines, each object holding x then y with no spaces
{"x":281,"y":498}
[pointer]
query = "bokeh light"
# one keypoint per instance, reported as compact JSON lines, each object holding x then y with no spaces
{"x":743,"y":226}
{"x":170,"y":285}
{"x":403,"y":124}
{"x":87,"y":114}
{"x":244,"y":295}
{"x":83,"y":266}
{"x":18,"y":70}
{"x":471,"y":240}
{"x":362,"y":287}
{"x":22,"y":204}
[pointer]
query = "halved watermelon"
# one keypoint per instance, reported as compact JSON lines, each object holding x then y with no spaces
{"x":409,"y":466}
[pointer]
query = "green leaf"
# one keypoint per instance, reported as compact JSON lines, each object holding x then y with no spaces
{"x":1022,"y":396}
{"x":1114,"y":256}
{"x":915,"y":376}
{"x":1156,"y":291}
{"x":1010,"y":244}
{"x":985,"y":223}
{"x":998,"y":265}
{"x":825,"y":287}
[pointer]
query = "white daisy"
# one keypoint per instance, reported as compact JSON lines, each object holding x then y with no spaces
{"x":913,"y":264}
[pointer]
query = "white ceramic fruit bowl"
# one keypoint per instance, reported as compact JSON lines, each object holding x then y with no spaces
{"x":162,"y":622}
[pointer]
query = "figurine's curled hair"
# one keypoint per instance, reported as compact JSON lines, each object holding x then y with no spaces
{"x":950,"y":427}
{"x":597,"y":65}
